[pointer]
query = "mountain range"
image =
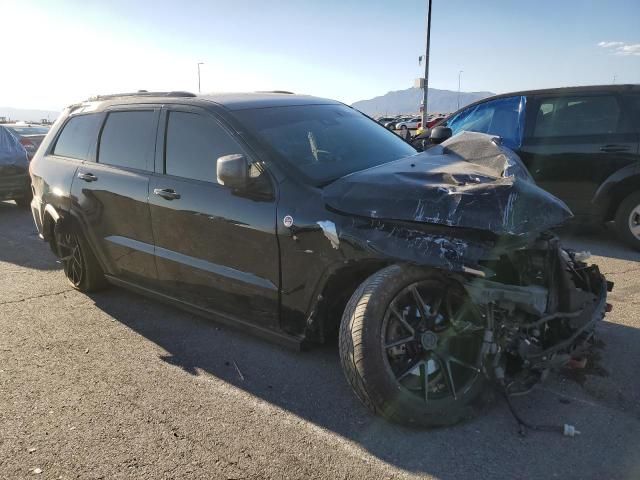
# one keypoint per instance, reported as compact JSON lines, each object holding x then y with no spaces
{"x":27,"y":115}
{"x":408,"y":101}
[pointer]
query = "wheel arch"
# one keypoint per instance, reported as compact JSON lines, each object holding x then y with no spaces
{"x":332,"y":294}
{"x":615,"y":189}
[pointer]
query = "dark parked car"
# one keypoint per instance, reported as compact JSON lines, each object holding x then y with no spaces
{"x":384,"y":120}
{"x":29,"y":135}
{"x":14,"y":169}
{"x":581,"y":143}
{"x":269,"y":212}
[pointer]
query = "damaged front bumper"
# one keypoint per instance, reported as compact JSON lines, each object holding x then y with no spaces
{"x":546,"y":319}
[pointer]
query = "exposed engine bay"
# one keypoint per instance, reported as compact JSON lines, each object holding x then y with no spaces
{"x":541,"y":310}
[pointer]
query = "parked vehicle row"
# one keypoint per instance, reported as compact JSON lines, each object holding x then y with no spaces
{"x":299,"y":219}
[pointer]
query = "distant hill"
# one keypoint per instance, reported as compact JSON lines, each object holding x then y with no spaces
{"x":27,"y":115}
{"x":409,"y":100}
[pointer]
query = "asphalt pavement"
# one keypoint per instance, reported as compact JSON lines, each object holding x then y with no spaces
{"x":114,"y":385}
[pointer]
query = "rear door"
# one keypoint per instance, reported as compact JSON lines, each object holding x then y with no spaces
{"x":574,"y":142}
{"x":111,"y":191}
{"x":215,"y":248}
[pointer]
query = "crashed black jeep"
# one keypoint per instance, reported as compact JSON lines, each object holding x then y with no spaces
{"x":437,"y":269}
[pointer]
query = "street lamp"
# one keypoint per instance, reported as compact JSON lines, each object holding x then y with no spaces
{"x":459,"y":74}
{"x":425,"y":87}
{"x":199,"y":63}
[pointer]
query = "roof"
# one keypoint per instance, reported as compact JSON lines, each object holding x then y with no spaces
{"x":566,"y":90}
{"x":230,"y":101}
{"x":242,"y":101}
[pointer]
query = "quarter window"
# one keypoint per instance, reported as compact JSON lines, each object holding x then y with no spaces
{"x":128,"y":139}
{"x":577,"y":116}
{"x":77,"y":136}
{"x":193,"y":145}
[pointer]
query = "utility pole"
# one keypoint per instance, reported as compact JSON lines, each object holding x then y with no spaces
{"x":425,"y":89}
{"x":459,"y":74}
{"x":199,"y":63}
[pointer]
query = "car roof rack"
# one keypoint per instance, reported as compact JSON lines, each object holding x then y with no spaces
{"x":141,"y":93}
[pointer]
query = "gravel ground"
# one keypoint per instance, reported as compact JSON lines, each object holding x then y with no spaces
{"x":114,"y":385}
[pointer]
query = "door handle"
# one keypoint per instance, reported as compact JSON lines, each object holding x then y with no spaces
{"x":614,"y":148}
{"x":87,"y":177}
{"x":166,"y":193}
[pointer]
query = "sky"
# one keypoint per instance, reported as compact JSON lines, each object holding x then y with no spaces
{"x":56,"y":52}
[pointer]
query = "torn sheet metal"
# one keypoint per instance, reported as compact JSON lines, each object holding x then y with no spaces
{"x":469,"y":181}
{"x":329,"y":230}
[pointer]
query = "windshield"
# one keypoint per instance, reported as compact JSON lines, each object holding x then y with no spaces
{"x":324,"y":142}
{"x":29,"y":130}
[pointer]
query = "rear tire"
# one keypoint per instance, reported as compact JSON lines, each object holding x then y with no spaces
{"x":627,"y":220}
{"x":24,"y":202}
{"x":80,"y":264}
{"x":408,"y":398}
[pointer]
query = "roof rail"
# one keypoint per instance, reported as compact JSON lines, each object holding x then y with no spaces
{"x":284,"y":92}
{"x":141,"y":93}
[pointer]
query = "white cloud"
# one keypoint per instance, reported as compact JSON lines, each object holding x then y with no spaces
{"x":621,"y":48}
{"x":610,"y":44}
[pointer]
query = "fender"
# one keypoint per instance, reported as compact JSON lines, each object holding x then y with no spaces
{"x":52,"y":223}
{"x":605,"y":192}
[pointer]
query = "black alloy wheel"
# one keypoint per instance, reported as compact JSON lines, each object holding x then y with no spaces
{"x":71,"y":257}
{"x":411,"y":347}
{"x":432,"y":347}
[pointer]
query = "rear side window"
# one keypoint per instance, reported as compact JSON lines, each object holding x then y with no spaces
{"x":77,"y":136}
{"x":193,"y":145}
{"x":128,"y":139}
{"x":502,"y":117}
{"x":577,"y":116}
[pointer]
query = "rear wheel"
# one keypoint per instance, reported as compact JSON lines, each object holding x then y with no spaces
{"x":410,"y":346}
{"x":25,"y":201}
{"x":628,"y":220}
{"x":80,"y":265}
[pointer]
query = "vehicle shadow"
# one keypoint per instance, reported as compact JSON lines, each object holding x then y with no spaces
{"x":602,"y":242}
{"x":311,"y":386}
{"x":19,"y":241}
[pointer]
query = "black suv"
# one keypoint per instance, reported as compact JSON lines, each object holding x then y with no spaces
{"x":299,"y":218}
{"x":582,"y":144}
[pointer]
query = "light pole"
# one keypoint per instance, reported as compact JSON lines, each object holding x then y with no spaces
{"x":199,"y":63}
{"x":459,"y":75}
{"x":425,"y":90}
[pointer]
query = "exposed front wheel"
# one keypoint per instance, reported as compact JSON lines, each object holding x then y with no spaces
{"x":80,"y":265}
{"x":410,"y":346}
{"x":628,"y":220}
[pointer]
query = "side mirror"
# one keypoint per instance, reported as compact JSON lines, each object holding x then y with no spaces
{"x":233,"y":171}
{"x":440,"y":134}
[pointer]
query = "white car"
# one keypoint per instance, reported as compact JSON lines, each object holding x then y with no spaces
{"x":410,"y":124}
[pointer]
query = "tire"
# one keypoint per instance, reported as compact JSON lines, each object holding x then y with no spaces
{"x":366,"y":365}
{"x":24,"y":202}
{"x":627,"y":220}
{"x":80,"y":264}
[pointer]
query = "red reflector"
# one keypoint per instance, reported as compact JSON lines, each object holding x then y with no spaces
{"x":608,"y":308}
{"x":27,"y":144}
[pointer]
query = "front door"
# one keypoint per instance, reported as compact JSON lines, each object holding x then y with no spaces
{"x":110,"y":194}
{"x":215,"y":248}
{"x":573,"y":143}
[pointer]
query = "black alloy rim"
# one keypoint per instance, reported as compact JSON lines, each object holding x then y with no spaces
{"x":71,"y":257}
{"x":432,"y":340}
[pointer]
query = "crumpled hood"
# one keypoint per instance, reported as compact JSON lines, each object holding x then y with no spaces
{"x":469,"y":181}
